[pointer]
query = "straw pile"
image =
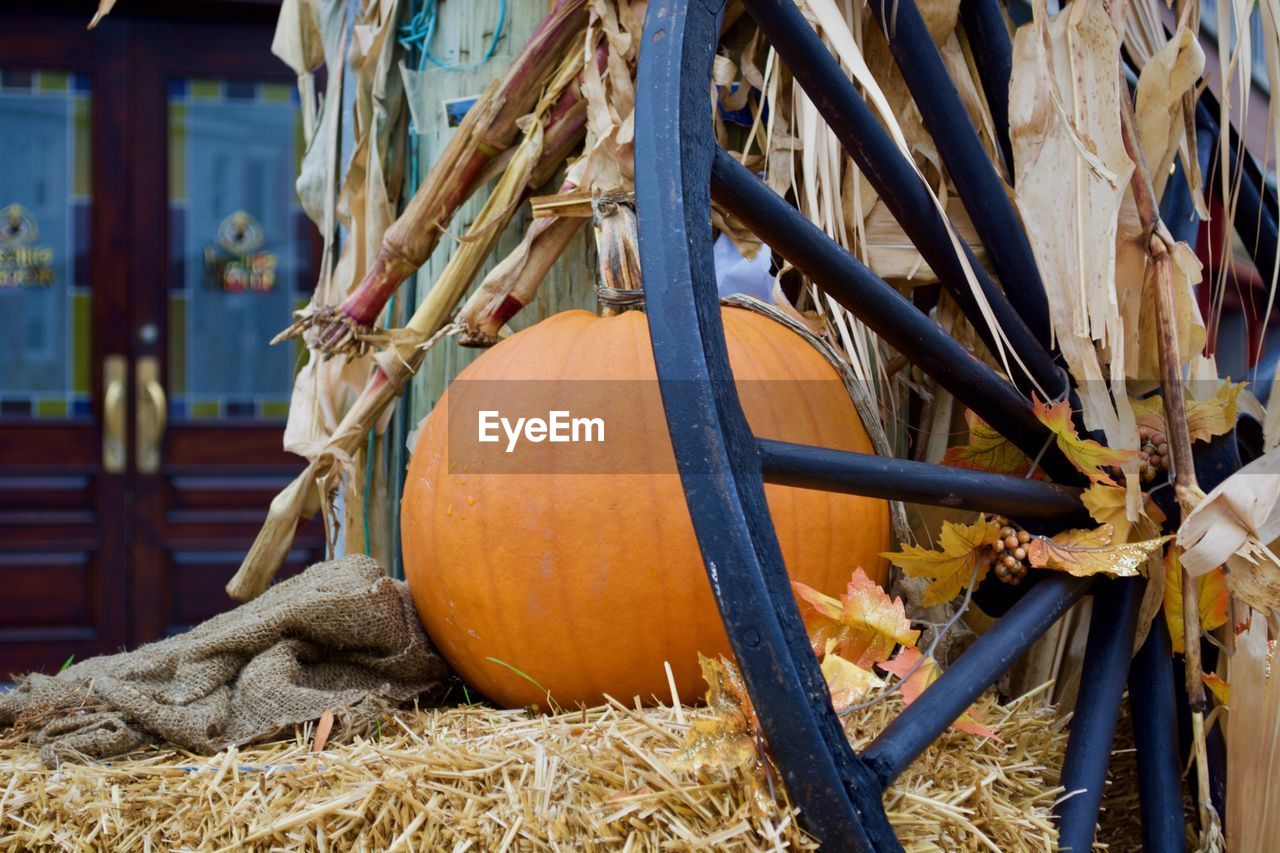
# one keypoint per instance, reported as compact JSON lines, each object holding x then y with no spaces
{"x":477,"y":778}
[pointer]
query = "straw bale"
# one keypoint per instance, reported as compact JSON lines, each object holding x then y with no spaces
{"x":472,"y":777}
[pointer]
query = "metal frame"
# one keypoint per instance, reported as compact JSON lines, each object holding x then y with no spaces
{"x":723,"y":467}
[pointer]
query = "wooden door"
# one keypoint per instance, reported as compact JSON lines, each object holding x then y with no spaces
{"x":150,"y":245}
{"x":63,"y":280}
{"x":229,"y":255}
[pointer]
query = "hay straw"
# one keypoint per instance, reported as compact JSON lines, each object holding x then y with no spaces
{"x":477,"y":778}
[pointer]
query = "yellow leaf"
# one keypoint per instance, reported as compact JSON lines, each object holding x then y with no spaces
{"x":1205,"y":418}
{"x":847,"y":682}
{"x":1106,"y":504}
{"x":863,"y":625}
{"x":1220,"y":689}
{"x":987,"y":450}
{"x":951,"y":567}
{"x":725,"y":739}
{"x":918,"y":674}
{"x":1213,"y":598}
{"x":1089,"y":457}
{"x":1090,"y":552}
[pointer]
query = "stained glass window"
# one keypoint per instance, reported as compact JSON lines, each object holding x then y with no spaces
{"x":238,"y":249}
{"x":44,"y":244}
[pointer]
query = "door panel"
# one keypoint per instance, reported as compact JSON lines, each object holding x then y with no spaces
{"x":63,"y":518}
{"x":237,"y":257}
{"x":238,"y":249}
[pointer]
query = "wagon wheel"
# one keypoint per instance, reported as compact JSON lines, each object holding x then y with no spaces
{"x":724,"y":467}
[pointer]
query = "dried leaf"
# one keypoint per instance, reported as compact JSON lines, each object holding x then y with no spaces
{"x":951,"y":567}
{"x":924,"y":674}
{"x":1235,"y":524}
{"x":104,"y":9}
{"x":1090,"y":552}
{"x":1089,"y":457}
{"x":848,"y":682}
{"x":1220,"y":689}
{"x":1205,"y":418}
{"x":1106,"y":505}
{"x":1213,"y":597}
{"x":1171,"y":72}
{"x":987,"y":450}
{"x":1071,"y":173}
{"x":863,"y":625}
{"x":726,"y":738}
{"x":323,"y":729}
{"x":1253,"y":742}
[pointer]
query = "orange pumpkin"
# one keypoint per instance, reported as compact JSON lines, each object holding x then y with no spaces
{"x":587,"y":582}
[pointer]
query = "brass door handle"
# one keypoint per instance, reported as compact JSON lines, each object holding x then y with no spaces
{"x":153,"y":414}
{"x":115,"y":373}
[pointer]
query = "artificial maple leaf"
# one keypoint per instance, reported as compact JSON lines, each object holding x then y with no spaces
{"x":951,"y":567}
{"x":927,"y":672}
{"x":1106,"y":504}
{"x":1214,"y":601}
{"x":727,"y":738}
{"x":1220,"y":689}
{"x":848,"y":682}
{"x":1090,"y":458}
{"x":864,"y":624}
{"x":987,"y":450}
{"x":1205,"y":418}
{"x":1090,"y":552}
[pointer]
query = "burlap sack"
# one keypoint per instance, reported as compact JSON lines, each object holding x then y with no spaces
{"x":340,"y":636}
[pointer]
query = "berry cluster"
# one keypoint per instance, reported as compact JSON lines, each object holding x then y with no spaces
{"x":1153,"y":457}
{"x":1009,"y":552}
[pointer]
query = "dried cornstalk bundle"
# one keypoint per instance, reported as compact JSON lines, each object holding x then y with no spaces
{"x":608,"y":91}
{"x":331,"y":459}
{"x":590,"y":779}
{"x":490,"y":127}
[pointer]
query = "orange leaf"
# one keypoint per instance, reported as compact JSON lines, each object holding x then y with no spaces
{"x":1220,"y":689}
{"x":1213,"y":597}
{"x":1205,"y":418}
{"x":924,"y":674}
{"x":863,"y":625}
{"x":1090,"y":552}
{"x":951,"y":567}
{"x":847,"y":682}
{"x":987,"y":450}
{"x":1086,"y":454}
{"x":323,"y":728}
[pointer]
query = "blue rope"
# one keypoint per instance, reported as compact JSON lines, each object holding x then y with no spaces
{"x":421,"y":31}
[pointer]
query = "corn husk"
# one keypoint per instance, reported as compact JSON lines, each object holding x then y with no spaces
{"x":1253,"y":743}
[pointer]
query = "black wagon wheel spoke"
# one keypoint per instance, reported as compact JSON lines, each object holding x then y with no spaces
{"x":992,"y":50}
{"x":903,"y":190}
{"x":976,"y":180}
{"x":881,"y":308}
{"x":723,"y":467}
{"x":875,"y":476}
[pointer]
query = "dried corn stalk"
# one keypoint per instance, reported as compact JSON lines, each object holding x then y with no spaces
{"x":331,"y":462}
{"x":488,"y":129}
